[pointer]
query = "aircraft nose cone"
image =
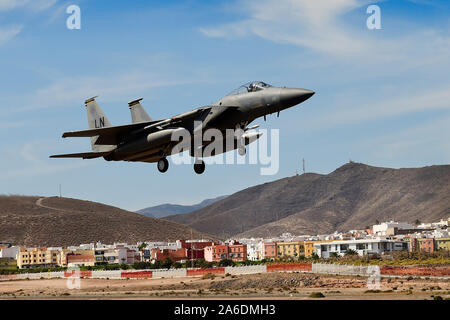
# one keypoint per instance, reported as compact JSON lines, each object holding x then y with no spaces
{"x":292,"y":96}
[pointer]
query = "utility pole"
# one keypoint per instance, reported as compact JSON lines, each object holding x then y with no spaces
{"x":60,"y":194}
{"x":192,"y":252}
{"x":304,"y":166}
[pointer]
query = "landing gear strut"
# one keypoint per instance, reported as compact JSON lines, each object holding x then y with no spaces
{"x":199,"y":166}
{"x":163,"y":165}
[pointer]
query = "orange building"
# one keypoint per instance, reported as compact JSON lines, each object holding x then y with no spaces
{"x":269,"y":250}
{"x":236,"y":252}
{"x":216,"y":252}
{"x":426,"y":245}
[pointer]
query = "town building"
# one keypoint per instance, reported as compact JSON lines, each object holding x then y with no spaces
{"x":195,"y":248}
{"x":66,"y":252}
{"x":442,"y":244}
{"x":426,"y":245}
{"x":237,"y":251}
{"x":255,"y":250}
{"x":146,"y":255}
{"x":77,"y":260}
{"x":234,"y":250}
{"x":174,"y":254}
{"x":290,"y":249}
{"x":38,"y":257}
{"x":389,"y":228}
{"x":216,"y":252}
{"x":196,"y":244}
{"x":9,"y":252}
{"x":115,"y":256}
{"x":309,"y":246}
{"x":360,"y":246}
{"x":269,"y":250}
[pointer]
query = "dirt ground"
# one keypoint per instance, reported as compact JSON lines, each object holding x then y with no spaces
{"x":256,"y":286}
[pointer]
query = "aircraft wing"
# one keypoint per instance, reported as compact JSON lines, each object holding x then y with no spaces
{"x":84,"y":155}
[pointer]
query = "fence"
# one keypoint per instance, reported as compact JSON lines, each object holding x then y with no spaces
{"x":318,"y":268}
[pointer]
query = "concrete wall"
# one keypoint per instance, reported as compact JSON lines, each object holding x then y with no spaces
{"x":246,"y":269}
{"x":339,"y":269}
{"x":318,"y":268}
{"x":169,"y":273}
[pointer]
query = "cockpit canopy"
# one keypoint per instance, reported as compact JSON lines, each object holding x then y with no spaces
{"x":252,"y":86}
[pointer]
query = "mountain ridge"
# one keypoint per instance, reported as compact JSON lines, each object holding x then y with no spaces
{"x":169,"y":209}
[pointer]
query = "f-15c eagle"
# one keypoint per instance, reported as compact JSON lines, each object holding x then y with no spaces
{"x":149,"y":140}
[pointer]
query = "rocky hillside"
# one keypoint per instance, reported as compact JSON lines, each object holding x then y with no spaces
{"x":35,"y":221}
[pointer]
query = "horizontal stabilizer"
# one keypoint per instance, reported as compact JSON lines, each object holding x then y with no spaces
{"x":84,"y":155}
{"x":107,"y":135}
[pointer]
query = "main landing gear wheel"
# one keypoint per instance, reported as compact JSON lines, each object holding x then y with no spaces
{"x":163,"y":165}
{"x":199,"y":167}
{"x":242,"y":151}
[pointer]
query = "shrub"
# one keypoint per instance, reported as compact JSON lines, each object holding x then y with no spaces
{"x":226,"y":263}
{"x":351,"y":252}
{"x":209,"y":275}
{"x":316,"y":295}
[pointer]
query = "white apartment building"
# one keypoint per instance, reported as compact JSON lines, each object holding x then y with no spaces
{"x":87,"y":246}
{"x":255,"y":251}
{"x":254,"y":248}
{"x":361,"y":246}
{"x":443,"y":223}
{"x":382,"y":228}
{"x":10,"y":252}
{"x":117,"y":255}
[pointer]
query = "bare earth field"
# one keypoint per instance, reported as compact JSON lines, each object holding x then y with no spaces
{"x":256,"y":286}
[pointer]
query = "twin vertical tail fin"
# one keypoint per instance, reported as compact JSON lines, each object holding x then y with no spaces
{"x":138,"y":114}
{"x":97,"y":119}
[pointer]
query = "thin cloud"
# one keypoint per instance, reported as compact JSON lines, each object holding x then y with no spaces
{"x":8,"y":33}
{"x":76,"y":89}
{"x":313,"y":24}
{"x":322,"y":26}
{"x":6,"y":5}
{"x":33,"y":5}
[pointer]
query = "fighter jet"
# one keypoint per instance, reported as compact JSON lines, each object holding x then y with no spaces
{"x":148,"y":140}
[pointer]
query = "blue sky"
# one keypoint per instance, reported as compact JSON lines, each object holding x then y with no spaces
{"x":382,"y":96}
